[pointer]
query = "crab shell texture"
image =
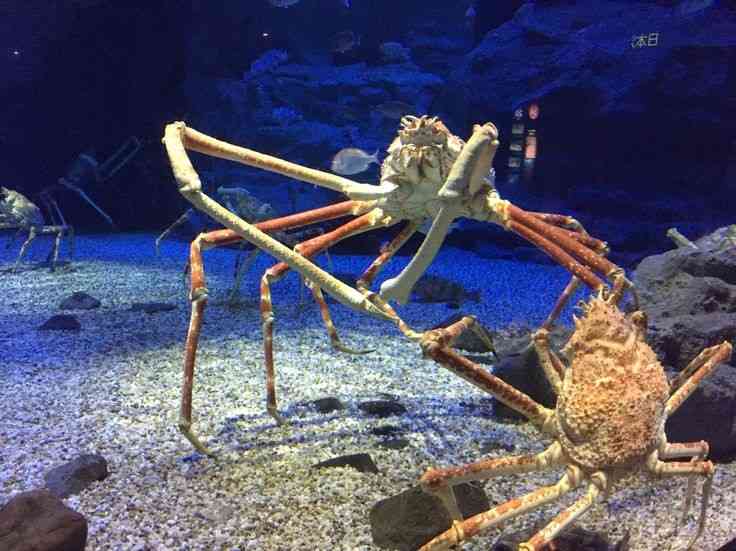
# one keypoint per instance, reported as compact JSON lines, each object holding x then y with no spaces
{"x":610,"y":413}
{"x":418,"y":162}
{"x":16,"y":209}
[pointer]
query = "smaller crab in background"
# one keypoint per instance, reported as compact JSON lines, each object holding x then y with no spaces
{"x":242,"y":203}
{"x":19,"y":213}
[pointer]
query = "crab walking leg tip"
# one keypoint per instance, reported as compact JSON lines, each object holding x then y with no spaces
{"x":186,"y":430}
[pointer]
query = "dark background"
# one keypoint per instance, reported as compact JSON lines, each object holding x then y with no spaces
{"x":89,"y":74}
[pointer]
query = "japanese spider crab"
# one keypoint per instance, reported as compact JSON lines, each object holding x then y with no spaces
{"x":429,"y":174}
{"x":613,"y":399}
{"x":20,"y":213}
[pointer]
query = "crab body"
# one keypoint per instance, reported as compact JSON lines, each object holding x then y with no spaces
{"x":418,"y":163}
{"x":610,"y":413}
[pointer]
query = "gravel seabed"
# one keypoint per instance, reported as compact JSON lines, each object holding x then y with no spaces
{"x":113,"y":388}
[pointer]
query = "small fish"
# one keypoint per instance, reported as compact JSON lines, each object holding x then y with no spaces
{"x":344,"y":41}
{"x":352,"y":160}
{"x":394,"y":109}
{"x":347,"y":3}
{"x":470,"y":13}
{"x":283,"y":3}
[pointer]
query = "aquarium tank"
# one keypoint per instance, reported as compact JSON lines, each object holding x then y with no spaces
{"x":368,"y":274}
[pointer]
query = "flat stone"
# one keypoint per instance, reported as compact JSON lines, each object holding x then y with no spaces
{"x":76,"y":475}
{"x":61,"y":322}
{"x":387,"y":430}
{"x":359,"y":461}
{"x":394,"y":443}
{"x":79,"y":301}
{"x":39,"y":521}
{"x":382,"y":408}
{"x":152,"y":307}
{"x":328,"y":405}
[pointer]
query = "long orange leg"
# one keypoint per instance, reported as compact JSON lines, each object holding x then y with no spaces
{"x":463,"y":531}
{"x":435,"y":345}
{"x":574,"y":250}
{"x":198,"y":296}
{"x":308,"y":249}
{"x":440,"y":482}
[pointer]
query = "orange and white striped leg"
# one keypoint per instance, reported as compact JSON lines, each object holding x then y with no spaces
{"x":464,"y":530}
{"x":307,"y":249}
{"x":440,"y":482}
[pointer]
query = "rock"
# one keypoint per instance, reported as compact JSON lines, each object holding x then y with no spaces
{"x":79,"y":301}
{"x":152,"y":307}
{"x":523,"y":372}
{"x":394,"y":52}
{"x":580,"y":59}
{"x":382,"y":408}
{"x":493,"y":446}
{"x":327,"y":405}
{"x":413,"y":517}
{"x":39,"y":521}
{"x":689,"y":296}
{"x":469,"y":340}
{"x":387,"y":430}
{"x":433,"y":289}
{"x":572,"y":539}
{"x":709,"y":414}
{"x":61,"y":322}
{"x":359,"y":461}
{"x":394,"y":443}
{"x":76,"y":475}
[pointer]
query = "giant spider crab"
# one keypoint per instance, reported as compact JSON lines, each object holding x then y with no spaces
{"x":613,"y":398}
{"x":429,"y":174}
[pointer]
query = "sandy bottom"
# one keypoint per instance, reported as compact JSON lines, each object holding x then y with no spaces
{"x":113,"y":388}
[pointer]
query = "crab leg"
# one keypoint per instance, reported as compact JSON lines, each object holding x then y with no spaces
{"x":434,"y":345}
{"x":32,"y":233}
{"x":191,"y":187}
{"x":440,"y":482}
{"x":540,"y":540}
{"x":572,"y":254}
{"x":694,"y":467}
{"x":466,"y":178}
{"x":708,"y":360}
{"x":387,"y":253}
{"x":697,"y":451}
{"x":551,"y":364}
{"x":178,"y":222}
{"x":462,"y":531}
{"x":199,"y":294}
{"x":197,"y":141}
{"x":307,"y":249}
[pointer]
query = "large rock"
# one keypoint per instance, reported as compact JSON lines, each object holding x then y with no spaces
{"x":689,"y":296}
{"x":618,"y":123}
{"x":39,"y":521}
{"x":413,"y":517}
{"x":519,"y":366}
{"x":709,"y":414}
